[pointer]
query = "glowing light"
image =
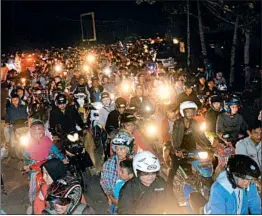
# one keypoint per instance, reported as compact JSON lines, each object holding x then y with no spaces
{"x":175,"y":41}
{"x":86,"y":67}
{"x":203,"y":126}
{"x":107,"y":71}
{"x":203,"y":155}
{"x":58,"y":68}
{"x":151,"y":130}
{"x":90,"y":58}
{"x":24,"y":140}
{"x":23,"y":80}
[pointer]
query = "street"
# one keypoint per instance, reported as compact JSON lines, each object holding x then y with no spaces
{"x":16,"y":186}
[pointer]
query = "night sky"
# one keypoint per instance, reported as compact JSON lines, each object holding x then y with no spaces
{"x":33,"y":24}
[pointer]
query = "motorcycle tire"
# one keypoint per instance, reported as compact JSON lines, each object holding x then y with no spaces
{"x":84,"y":178}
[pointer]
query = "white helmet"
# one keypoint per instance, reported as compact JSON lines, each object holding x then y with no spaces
{"x":187,"y":105}
{"x":145,"y":161}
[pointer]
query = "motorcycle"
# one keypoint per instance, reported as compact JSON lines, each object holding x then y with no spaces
{"x":79,"y":159}
{"x":96,"y":128}
{"x":81,"y":100}
{"x":20,"y":129}
{"x":196,"y":184}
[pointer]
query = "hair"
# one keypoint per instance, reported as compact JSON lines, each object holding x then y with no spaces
{"x":128,"y":165}
{"x":15,"y":95}
{"x":256,"y":124}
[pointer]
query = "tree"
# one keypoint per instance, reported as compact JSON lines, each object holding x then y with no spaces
{"x":233,"y":53}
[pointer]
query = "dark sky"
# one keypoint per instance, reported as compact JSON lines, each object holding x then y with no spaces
{"x":30,"y":23}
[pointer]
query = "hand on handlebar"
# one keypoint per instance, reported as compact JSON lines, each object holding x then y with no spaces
{"x":180,"y":154}
{"x":65,"y":161}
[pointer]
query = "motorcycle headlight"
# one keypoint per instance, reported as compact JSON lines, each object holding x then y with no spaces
{"x":73,"y":138}
{"x":151,"y":130}
{"x":24,"y":140}
{"x":203,"y":126}
{"x":148,"y":108}
{"x":203,"y":155}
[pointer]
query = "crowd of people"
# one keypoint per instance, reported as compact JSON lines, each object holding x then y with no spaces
{"x":144,"y":118}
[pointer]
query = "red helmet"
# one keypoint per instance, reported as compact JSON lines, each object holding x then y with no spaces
{"x":65,"y":191}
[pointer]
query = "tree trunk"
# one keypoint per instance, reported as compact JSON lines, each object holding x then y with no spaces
{"x":188,"y":36}
{"x":246,"y":58}
{"x":233,"y":54}
{"x":202,"y":37}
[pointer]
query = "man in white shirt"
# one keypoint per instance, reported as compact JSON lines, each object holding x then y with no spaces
{"x":251,"y":146}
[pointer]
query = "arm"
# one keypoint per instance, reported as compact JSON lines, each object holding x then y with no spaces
{"x":216,"y":203}
{"x":254,"y":200}
{"x":106,"y":176}
{"x":55,"y":151}
{"x":219,"y":128}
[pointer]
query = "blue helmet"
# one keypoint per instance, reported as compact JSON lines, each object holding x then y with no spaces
{"x":230,"y":102}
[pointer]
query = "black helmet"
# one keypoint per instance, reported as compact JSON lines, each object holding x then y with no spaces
{"x":120,"y":103}
{"x":105,"y":95}
{"x":61,"y":99}
{"x":242,"y":166}
{"x":215,"y":98}
{"x":127,"y":117}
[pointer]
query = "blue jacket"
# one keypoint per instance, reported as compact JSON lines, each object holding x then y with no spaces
{"x":13,"y":114}
{"x":223,"y":199}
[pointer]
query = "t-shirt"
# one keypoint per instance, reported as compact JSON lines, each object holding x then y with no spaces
{"x":119,"y":184}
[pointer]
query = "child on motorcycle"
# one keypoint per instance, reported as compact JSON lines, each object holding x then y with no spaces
{"x":64,"y":196}
{"x":125,"y":173}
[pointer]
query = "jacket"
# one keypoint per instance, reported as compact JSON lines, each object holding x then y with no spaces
{"x":67,"y":120}
{"x":112,"y":122}
{"x":138,"y":104}
{"x":247,"y":147}
{"x":135,"y":198}
{"x":226,"y":200}
{"x":104,"y":112}
{"x":211,"y":120}
{"x":231,"y":125}
{"x":95,"y":95}
{"x":179,"y":131}
{"x":13,"y":114}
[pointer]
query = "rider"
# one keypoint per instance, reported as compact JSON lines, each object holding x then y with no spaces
{"x":139,"y":101}
{"x":186,"y":136}
{"x":64,"y":115}
{"x":128,"y":123}
{"x":112,"y":122}
{"x":39,"y":148}
{"x":188,"y":95}
{"x":95,"y":90}
{"x":215,"y":102}
{"x":122,"y":144}
{"x":64,"y":197}
{"x":14,"y":113}
{"x":82,"y":87}
{"x":251,"y":146}
{"x":146,"y":192}
{"x":234,"y":191}
{"x":108,"y":107}
{"x":231,"y":122}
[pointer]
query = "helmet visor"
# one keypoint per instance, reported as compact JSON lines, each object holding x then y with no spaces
{"x":53,"y":200}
